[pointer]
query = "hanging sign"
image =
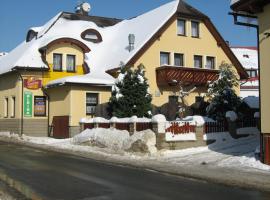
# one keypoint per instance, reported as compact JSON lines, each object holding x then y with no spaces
{"x":32,"y":83}
{"x":28,"y":104}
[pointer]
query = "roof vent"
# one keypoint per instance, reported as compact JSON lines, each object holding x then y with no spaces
{"x":131,"y":41}
{"x":83,"y":8}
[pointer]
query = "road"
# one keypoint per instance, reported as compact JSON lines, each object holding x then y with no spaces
{"x":47,"y":175}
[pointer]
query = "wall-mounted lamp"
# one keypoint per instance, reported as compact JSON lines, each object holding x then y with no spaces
{"x":267,"y":34}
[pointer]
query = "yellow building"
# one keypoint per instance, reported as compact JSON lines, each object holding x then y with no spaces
{"x":65,"y":69}
{"x":261,"y":11}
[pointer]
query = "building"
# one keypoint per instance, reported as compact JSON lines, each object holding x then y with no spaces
{"x":64,"y":70}
{"x":248,"y":56}
{"x":260,"y":10}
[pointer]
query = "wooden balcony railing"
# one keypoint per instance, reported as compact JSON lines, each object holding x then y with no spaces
{"x":171,"y":75}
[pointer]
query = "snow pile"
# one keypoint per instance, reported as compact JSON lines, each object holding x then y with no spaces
{"x":248,"y":131}
{"x":231,"y":115}
{"x":132,"y":119}
{"x":252,"y":102}
{"x":118,"y":140}
{"x":197,"y":120}
{"x":159,"y":119}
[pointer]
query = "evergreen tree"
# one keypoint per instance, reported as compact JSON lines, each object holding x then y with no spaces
{"x":130,"y":94}
{"x":222,"y":94}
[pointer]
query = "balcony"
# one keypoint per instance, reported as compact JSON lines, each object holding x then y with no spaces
{"x":172,"y":75}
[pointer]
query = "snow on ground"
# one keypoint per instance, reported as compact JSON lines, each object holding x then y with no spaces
{"x":225,"y":153}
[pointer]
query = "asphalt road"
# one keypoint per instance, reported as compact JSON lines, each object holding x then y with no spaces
{"x":47,"y":175}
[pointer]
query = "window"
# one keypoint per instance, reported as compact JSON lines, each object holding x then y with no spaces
{"x":252,"y":73}
{"x":57,"y":62}
{"x":178,"y":59}
{"x":195,"y":29}
{"x":13,"y":100}
{"x":6,"y":107}
{"x":198,"y":61}
{"x":39,"y":106}
{"x":164,"y":58}
{"x":71,"y":63}
{"x":91,"y":103}
{"x":210,"y":62}
{"x":91,"y":35}
{"x":181,"y":27}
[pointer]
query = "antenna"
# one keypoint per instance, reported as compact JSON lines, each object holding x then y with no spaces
{"x":82,"y":8}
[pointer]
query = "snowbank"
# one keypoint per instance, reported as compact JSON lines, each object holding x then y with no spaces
{"x":132,"y":119}
{"x":117,"y":140}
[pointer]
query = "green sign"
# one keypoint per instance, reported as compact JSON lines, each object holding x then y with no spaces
{"x":28,"y":104}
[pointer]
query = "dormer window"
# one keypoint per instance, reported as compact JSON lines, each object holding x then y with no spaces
{"x":91,"y":35}
{"x":31,"y":35}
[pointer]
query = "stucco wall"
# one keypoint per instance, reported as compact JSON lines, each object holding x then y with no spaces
{"x":169,"y":41}
{"x":10,"y":85}
{"x":264,"y":24}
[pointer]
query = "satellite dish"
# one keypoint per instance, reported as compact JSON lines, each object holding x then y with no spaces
{"x":86,"y":7}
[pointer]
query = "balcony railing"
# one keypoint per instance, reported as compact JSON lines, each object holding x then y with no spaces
{"x":172,"y":75}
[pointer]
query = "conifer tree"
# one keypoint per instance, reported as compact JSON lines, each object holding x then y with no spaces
{"x":222,"y":94}
{"x":130,"y":94}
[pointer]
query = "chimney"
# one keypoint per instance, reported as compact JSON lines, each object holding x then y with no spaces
{"x":131,"y":41}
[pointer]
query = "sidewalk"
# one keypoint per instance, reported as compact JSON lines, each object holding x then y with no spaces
{"x":228,"y":161}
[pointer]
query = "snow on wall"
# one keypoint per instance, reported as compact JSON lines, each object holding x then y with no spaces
{"x":169,"y":137}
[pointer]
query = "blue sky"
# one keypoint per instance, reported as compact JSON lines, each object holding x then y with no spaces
{"x":17,"y":16}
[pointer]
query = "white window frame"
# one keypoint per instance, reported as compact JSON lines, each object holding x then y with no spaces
{"x":13,"y":107}
{"x":215,"y":61}
{"x":6,"y":107}
{"x":85,"y":101}
{"x":185,"y":28}
{"x":199,"y":28}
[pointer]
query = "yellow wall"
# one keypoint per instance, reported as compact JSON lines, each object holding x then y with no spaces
{"x":10,"y":85}
{"x":264,"y":24}
{"x":64,"y":49}
{"x":78,"y":95}
{"x":71,"y":101}
{"x":169,"y":41}
{"x":60,"y":102}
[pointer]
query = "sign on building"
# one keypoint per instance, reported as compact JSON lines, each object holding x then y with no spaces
{"x":32,"y":83}
{"x":180,"y":131}
{"x":40,"y":106}
{"x":27,"y":104}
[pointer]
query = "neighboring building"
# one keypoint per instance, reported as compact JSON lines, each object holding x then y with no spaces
{"x":60,"y":74}
{"x":248,"y":57}
{"x":261,"y":10}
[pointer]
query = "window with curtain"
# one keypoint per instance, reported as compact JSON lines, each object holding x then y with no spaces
{"x":178,"y":59}
{"x":181,"y":27}
{"x":91,"y":103}
{"x":57,"y":62}
{"x":71,"y":63}
{"x":195,"y":29}
{"x":210,"y":62}
{"x":164,"y":58}
{"x":198,"y":61}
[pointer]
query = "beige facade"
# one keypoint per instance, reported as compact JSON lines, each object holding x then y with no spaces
{"x":264,"y":27}
{"x":170,"y":42}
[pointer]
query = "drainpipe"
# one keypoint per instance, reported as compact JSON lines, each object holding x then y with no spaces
{"x":48,"y":120}
{"x":22,"y":90}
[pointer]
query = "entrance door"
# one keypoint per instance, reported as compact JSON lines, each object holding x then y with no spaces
{"x":61,"y":127}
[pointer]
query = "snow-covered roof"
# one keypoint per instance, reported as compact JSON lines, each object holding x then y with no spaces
{"x":234,"y":1}
{"x":252,"y":101}
{"x":248,"y":56}
{"x":100,"y":58}
{"x":2,"y":54}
